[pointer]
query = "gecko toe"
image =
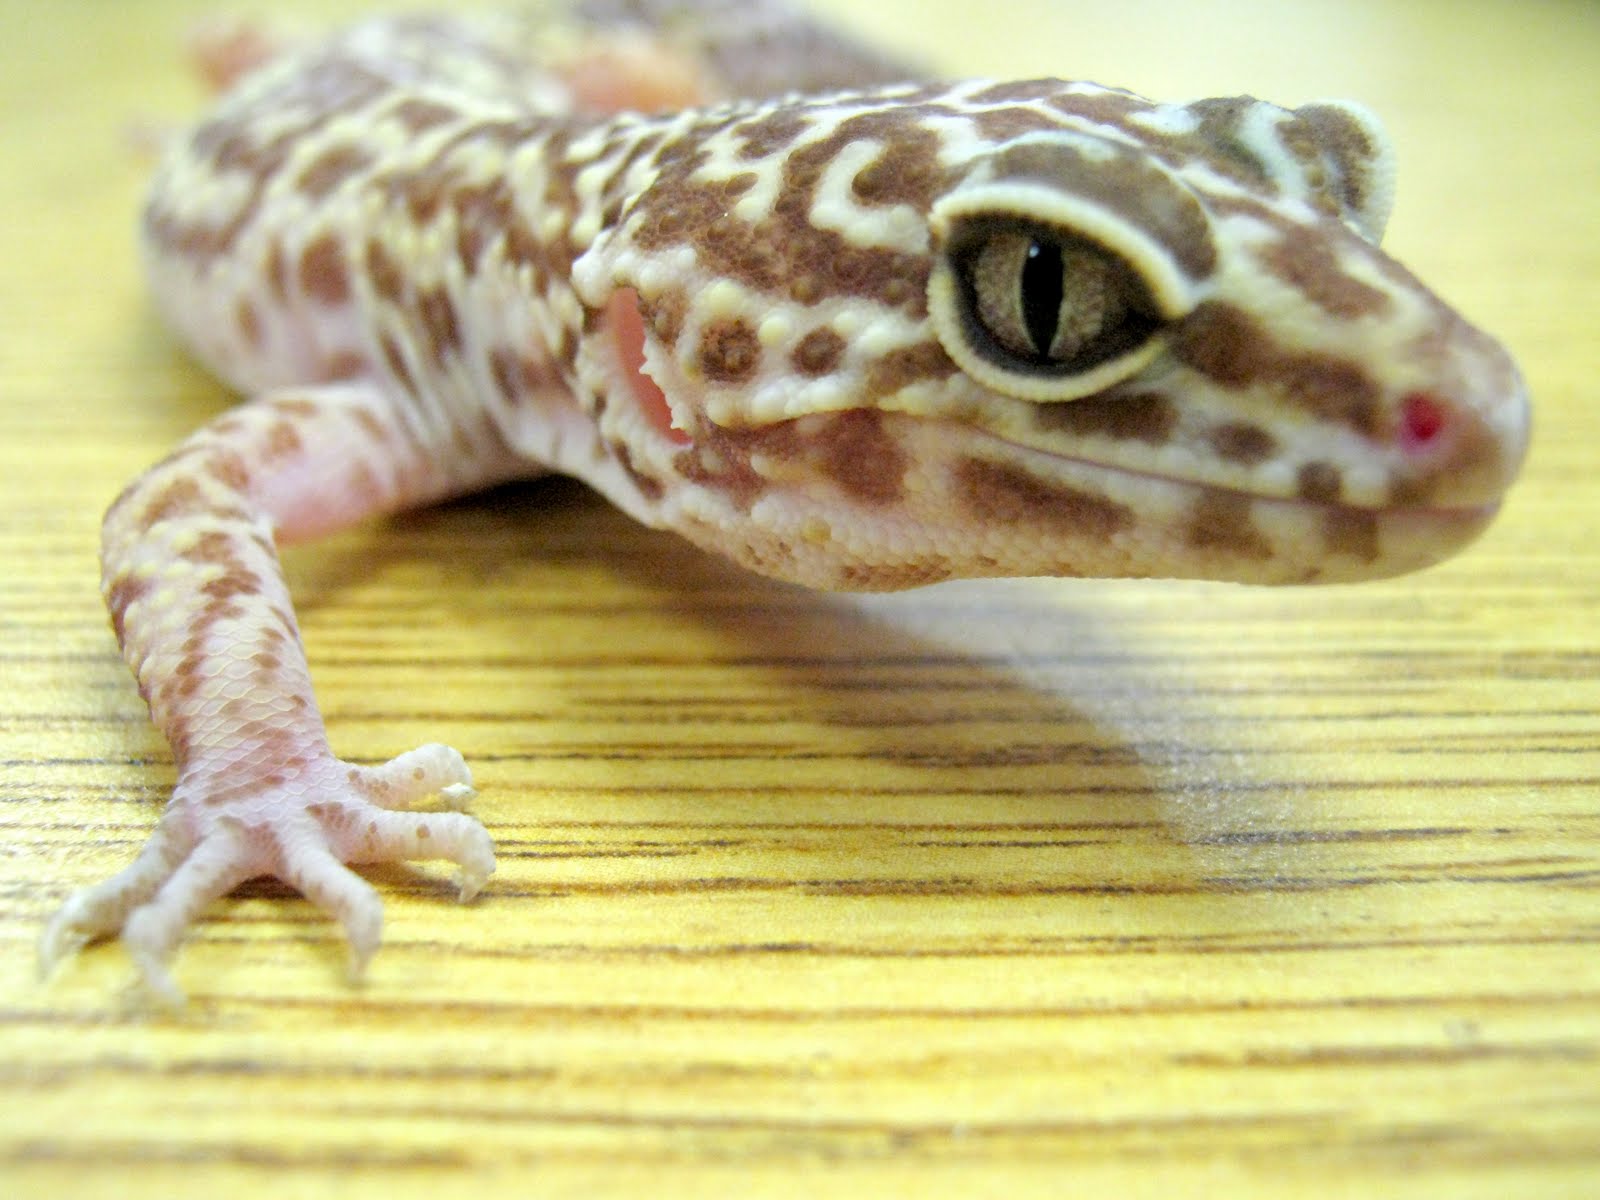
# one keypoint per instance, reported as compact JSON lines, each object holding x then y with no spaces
{"x":102,"y":909}
{"x":429,"y":770}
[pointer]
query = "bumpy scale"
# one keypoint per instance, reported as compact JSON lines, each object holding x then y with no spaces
{"x":863,"y":339}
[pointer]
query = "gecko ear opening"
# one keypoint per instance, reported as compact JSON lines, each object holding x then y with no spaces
{"x":1333,"y":154}
{"x":1356,"y":147}
{"x":625,"y":323}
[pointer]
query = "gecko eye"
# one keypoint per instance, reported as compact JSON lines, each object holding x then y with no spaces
{"x":1053,"y":303}
{"x":1048,"y":315}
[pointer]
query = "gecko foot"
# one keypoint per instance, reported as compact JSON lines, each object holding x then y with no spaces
{"x":302,"y":830}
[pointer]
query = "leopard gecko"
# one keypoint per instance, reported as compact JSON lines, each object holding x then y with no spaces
{"x":763,"y":285}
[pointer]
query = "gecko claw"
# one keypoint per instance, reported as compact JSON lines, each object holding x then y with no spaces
{"x":63,"y":936}
{"x":457,"y":796}
{"x":142,"y":936}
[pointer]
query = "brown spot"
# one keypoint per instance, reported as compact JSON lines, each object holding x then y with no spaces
{"x":472,"y":239}
{"x":895,"y":576}
{"x":1242,"y":443}
{"x":221,"y":607}
{"x":461,"y":442}
{"x":567,"y":348}
{"x":1335,"y":390}
{"x":770,"y":133}
{"x":340,"y":365}
{"x":1108,"y":107}
{"x":331,"y":168}
{"x":282,"y":441}
{"x":905,"y":365}
{"x":295,"y":406}
{"x":1001,"y":493}
{"x":229,"y":470}
{"x":180,"y":497}
{"x":1014,"y":91}
{"x":522,"y":248}
{"x":187,"y":683}
{"x":1222,"y":521}
{"x":1004,"y":124}
{"x":818,"y":352}
{"x":419,"y":115}
{"x":649,"y":487}
{"x":229,"y":585}
{"x":1227,"y":344}
{"x":855,"y":451}
{"x":730,"y":351}
{"x":249,"y":323}
{"x":124,"y":592}
{"x":721,"y":459}
{"x":388,"y":279}
{"x":394,"y":357}
{"x":277,"y":271}
{"x":1142,"y":417}
{"x":1320,"y":483}
{"x":232,"y":426}
{"x":440,"y":326}
{"x":905,"y":173}
{"x":426,"y":192}
{"x":322,"y":270}
{"x":1309,"y":265}
{"x":213,"y":546}
{"x":1353,"y":532}
{"x":1411,"y":491}
{"x":519,"y":377}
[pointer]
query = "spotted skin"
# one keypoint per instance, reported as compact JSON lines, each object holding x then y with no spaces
{"x":438,"y":253}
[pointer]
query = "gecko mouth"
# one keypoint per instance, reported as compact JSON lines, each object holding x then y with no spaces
{"x":1047,"y":463}
{"x":1168,"y":524}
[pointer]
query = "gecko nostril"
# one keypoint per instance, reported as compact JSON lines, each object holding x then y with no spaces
{"x":1423,"y":418}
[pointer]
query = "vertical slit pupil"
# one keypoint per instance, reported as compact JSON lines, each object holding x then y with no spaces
{"x":1041,"y":295}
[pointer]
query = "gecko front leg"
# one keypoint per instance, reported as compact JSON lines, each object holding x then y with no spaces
{"x":203,"y":616}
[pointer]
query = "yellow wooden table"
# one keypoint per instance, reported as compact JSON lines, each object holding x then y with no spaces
{"x":1026,"y":888}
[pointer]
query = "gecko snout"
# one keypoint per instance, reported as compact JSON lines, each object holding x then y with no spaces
{"x":1462,"y":447}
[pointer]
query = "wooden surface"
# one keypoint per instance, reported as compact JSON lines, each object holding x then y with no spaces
{"x":1029,"y":888}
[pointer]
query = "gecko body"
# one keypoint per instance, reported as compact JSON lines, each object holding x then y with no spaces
{"x":759,"y":285}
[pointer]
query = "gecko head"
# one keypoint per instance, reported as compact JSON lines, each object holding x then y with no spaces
{"x":1044,"y":329}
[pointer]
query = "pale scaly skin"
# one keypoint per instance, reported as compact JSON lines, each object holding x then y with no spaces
{"x":429,"y":255}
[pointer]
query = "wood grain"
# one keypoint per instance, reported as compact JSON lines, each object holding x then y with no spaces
{"x":1028,"y":888}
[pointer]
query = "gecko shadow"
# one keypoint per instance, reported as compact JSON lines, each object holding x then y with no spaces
{"x":981,"y":745}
